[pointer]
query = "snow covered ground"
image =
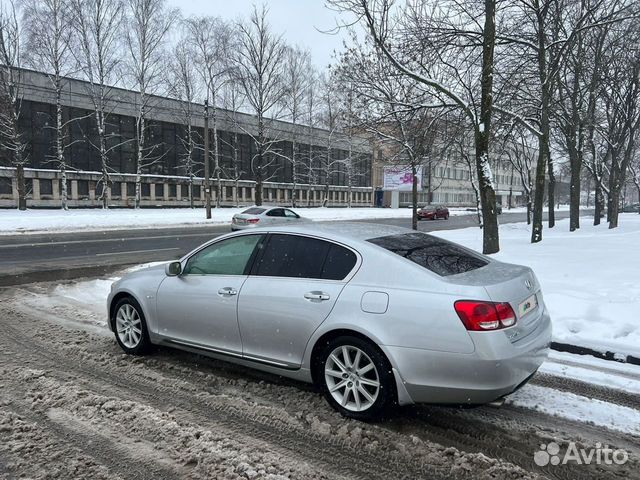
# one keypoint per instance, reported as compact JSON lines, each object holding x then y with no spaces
{"x":613,"y":376}
{"x":589,"y":278}
{"x":37,"y":221}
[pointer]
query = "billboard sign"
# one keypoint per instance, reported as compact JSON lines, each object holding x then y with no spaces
{"x":400,"y":178}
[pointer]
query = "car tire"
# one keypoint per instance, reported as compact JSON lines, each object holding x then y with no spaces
{"x":130,"y":327}
{"x":368,"y":387}
{"x":446,"y":217}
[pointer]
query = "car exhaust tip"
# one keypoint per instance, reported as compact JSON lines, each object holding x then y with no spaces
{"x":496,"y":403}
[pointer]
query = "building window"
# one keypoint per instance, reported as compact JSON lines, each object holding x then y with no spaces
{"x":145,"y":190}
{"x":159,"y":190}
{"x":83,"y":189}
{"x":46,"y":187}
{"x":5,"y":186}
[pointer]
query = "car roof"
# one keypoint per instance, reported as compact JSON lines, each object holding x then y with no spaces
{"x":345,"y":231}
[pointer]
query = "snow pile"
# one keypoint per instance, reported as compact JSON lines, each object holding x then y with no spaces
{"x":34,"y":221}
{"x":605,"y":373}
{"x":577,"y":408}
{"x":589,"y":278}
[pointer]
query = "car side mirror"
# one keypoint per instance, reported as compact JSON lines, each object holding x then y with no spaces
{"x":173,"y":269}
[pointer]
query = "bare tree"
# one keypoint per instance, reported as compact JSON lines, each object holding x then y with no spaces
{"x":386,"y":108}
{"x":621,"y":104}
{"x":326,"y":162}
{"x":97,"y":29}
{"x":147,"y":25}
{"x":232,"y":101}
{"x":519,"y":149}
{"x":11,"y":139}
{"x":184,"y":86}
{"x":212,"y":40}
{"x":48,"y":31}
{"x":297,"y":71}
{"x":440,"y":54}
{"x":579,"y":87}
{"x":260,"y":61}
{"x":308,"y":160}
{"x":542,"y":35}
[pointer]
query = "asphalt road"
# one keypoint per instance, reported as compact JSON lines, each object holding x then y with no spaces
{"x":46,"y":257}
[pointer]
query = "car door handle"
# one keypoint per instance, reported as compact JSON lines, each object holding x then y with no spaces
{"x":320,"y":296}
{"x":227,"y":291}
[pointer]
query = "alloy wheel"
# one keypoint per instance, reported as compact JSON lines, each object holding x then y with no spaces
{"x":128,"y":326}
{"x":352,"y":378}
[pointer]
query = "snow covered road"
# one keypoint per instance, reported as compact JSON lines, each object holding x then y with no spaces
{"x":73,"y":406}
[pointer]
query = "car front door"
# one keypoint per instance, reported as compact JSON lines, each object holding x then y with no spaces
{"x":290,"y":215}
{"x":199,"y":306}
{"x":293,"y":286}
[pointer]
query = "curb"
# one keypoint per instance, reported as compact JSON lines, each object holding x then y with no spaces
{"x":607,"y":355}
{"x":60,"y":274}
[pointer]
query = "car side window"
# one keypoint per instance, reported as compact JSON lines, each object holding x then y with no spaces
{"x":228,"y":257}
{"x":304,"y":257}
{"x":276,"y":212}
{"x":290,"y":214}
{"x":339,"y":262}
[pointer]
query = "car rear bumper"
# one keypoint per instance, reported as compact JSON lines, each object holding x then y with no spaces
{"x":235,"y":227}
{"x":496,"y":368}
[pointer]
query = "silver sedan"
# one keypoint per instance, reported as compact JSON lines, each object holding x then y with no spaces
{"x":254,"y":217}
{"x":376,"y":316}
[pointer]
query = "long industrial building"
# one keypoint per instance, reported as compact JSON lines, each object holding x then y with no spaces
{"x":164,"y":182}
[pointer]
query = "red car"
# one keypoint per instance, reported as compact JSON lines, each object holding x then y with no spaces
{"x":433,"y":212}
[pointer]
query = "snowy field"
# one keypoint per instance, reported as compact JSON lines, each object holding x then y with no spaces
{"x":589,"y":278}
{"x":37,"y":221}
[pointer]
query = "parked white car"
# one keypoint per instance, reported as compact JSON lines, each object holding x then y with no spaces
{"x":263,"y":217}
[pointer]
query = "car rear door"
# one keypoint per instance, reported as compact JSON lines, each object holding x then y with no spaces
{"x":274,"y":216}
{"x":293,"y":287}
{"x":199,"y":306}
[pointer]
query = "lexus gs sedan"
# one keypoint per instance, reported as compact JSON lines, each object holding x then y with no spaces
{"x":375,"y":316}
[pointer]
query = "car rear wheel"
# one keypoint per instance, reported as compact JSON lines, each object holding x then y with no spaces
{"x":356,"y":378}
{"x":130,"y":327}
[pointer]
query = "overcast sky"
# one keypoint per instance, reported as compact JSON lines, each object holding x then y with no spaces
{"x":301,"y":22}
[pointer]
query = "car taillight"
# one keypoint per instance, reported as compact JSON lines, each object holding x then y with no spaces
{"x":482,"y":316}
{"x":253,"y":220}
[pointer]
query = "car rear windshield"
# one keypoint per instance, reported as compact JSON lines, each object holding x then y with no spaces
{"x":254,"y":211}
{"x":439,"y":256}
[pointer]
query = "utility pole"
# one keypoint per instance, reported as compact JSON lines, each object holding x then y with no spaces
{"x":207,"y":185}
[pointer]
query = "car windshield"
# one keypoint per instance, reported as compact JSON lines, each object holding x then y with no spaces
{"x":437,"y":255}
{"x":254,"y":211}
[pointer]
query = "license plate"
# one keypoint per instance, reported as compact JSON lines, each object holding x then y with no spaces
{"x":527,"y":306}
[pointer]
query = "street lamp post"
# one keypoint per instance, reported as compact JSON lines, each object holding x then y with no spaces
{"x":207,"y":184}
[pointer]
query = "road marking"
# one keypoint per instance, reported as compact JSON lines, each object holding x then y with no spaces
{"x":101,"y":240}
{"x":136,"y":251}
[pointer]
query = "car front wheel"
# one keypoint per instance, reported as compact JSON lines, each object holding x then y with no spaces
{"x":356,"y":378}
{"x":130,"y":327}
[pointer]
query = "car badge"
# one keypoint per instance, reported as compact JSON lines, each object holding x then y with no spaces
{"x":527,"y":283}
